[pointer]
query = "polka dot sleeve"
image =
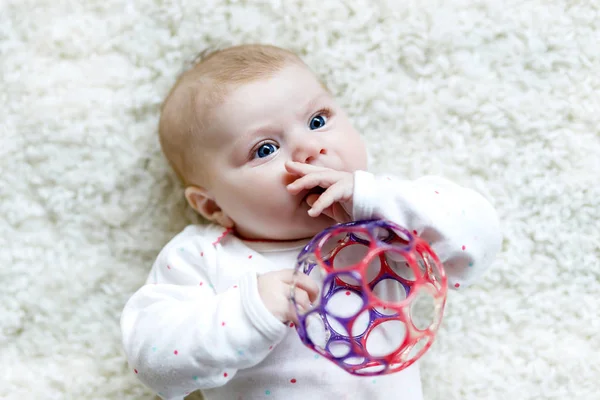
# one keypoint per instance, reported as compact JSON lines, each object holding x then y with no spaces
{"x":179,"y":334}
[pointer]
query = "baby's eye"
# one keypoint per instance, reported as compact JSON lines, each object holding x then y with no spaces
{"x":266,"y":150}
{"x":318,"y":121}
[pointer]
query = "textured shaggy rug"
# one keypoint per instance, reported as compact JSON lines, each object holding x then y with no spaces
{"x":501,"y":96}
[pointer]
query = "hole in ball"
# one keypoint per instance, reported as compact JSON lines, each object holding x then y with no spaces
{"x":332,"y":244}
{"x":343,"y":303}
{"x":398,"y":265}
{"x":354,"y":360}
{"x":391,"y":291}
{"x":362,"y":322}
{"x":339,"y":348}
{"x":371,"y":370}
{"x":423,"y":308}
{"x":398,"y":236}
{"x":386,"y":338}
{"x":353,"y":256}
{"x":316,"y":331}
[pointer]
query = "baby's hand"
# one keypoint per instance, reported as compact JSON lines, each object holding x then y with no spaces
{"x":275,"y":289}
{"x":335,"y":201}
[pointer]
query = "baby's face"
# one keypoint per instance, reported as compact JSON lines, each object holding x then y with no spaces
{"x":251,"y":135}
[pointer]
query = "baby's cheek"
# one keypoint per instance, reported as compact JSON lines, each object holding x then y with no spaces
{"x":270,"y":207}
{"x":358,"y":155}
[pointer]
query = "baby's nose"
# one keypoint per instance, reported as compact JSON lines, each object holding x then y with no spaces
{"x":310,"y":159}
{"x":308,"y":151}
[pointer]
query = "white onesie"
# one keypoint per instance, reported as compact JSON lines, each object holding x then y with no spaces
{"x":199,"y":323}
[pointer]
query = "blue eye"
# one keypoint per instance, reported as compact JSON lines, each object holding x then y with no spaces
{"x":266,"y":150}
{"x":318,"y":121}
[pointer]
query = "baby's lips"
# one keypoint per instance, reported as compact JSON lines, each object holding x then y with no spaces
{"x":313,"y":194}
{"x":318,"y":190}
{"x":311,"y":199}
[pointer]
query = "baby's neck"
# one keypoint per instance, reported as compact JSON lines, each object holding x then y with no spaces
{"x":267,"y":240}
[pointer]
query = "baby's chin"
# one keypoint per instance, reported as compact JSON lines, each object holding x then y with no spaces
{"x":305,"y":228}
{"x":299,"y":226}
{"x":315,"y":225}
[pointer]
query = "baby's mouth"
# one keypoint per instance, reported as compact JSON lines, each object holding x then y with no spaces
{"x":316,"y":190}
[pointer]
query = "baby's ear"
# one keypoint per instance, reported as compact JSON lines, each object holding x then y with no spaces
{"x":200,"y":200}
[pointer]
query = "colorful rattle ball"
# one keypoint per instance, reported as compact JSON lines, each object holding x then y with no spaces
{"x":381,"y":300}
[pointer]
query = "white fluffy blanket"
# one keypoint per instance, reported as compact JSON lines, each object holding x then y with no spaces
{"x":501,"y":96}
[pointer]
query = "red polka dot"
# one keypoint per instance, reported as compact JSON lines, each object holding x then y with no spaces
{"x":201,"y":254}
{"x":168,"y":267}
{"x":348,"y":293}
{"x":436,"y":192}
{"x":415,"y":232}
{"x":456,"y":285}
{"x":201,"y":283}
{"x":222,"y":323}
{"x":463,"y":247}
{"x":250,"y":256}
{"x":175,"y":352}
{"x":235,"y":286}
{"x":291,"y":324}
{"x":135,"y":370}
{"x":270,"y":347}
{"x":225,"y":374}
{"x":293,"y":380}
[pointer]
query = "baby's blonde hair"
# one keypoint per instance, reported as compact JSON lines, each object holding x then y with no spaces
{"x":186,"y":110}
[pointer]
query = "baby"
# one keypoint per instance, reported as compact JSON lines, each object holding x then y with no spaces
{"x":267,"y":156}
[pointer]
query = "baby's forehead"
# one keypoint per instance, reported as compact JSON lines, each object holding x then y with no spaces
{"x":227,"y":110}
{"x":289,"y":89}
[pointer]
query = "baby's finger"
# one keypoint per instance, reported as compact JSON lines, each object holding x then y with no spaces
{"x":323,"y":179}
{"x":308,"y":286}
{"x":336,"y":192}
{"x":336,"y":211}
{"x":301,"y":299}
{"x":291,"y":315}
{"x":298,"y":168}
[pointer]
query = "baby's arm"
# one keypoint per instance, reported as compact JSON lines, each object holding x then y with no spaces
{"x":179,"y":335}
{"x":461,"y":226}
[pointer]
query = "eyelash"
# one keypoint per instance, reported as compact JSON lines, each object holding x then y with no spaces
{"x":325,"y":111}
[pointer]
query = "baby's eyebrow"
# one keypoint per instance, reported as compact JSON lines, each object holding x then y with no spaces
{"x":313,"y":103}
{"x":243,"y":140}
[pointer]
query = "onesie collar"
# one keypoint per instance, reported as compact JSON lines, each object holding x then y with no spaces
{"x":263,"y":246}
